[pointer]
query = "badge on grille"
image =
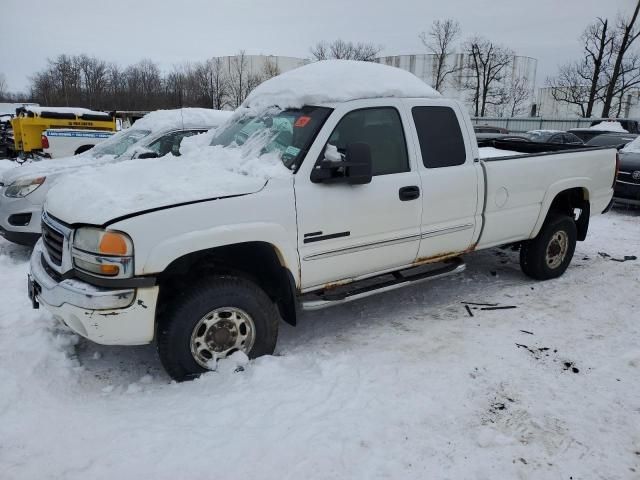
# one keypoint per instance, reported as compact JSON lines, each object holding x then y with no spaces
{"x":636,"y":175}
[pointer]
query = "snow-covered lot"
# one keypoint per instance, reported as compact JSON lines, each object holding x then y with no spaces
{"x":404,"y":385}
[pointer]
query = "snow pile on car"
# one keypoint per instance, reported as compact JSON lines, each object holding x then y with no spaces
{"x":609,"y":127}
{"x":332,"y":81}
{"x":157,"y":121}
{"x":182,"y":118}
{"x":633,"y":147}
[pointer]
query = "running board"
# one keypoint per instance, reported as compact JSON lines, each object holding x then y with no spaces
{"x":385,"y":283}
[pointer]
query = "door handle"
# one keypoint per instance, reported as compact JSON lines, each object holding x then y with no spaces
{"x":409,"y":193}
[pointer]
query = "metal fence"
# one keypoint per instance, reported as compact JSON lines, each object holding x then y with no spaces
{"x":535,"y":123}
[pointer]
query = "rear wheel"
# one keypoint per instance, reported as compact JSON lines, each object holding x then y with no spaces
{"x":549,"y":254}
{"x":215,"y":319}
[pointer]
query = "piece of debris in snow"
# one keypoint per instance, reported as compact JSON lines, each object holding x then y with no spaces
{"x":571,"y":366}
{"x":527,"y":332}
{"x":625,"y":259}
{"x":480,"y":304}
{"x":604,"y":255}
{"x":469,"y":310}
{"x":504,"y":307}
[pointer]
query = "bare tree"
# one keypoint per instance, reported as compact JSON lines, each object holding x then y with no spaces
{"x":626,"y":35}
{"x":241,"y":79}
{"x":487,"y":64}
{"x":3,"y":86}
{"x":518,"y":96}
{"x":598,"y":44}
{"x":270,"y":69}
{"x":568,"y":87}
{"x":439,"y":41}
{"x":342,"y":50}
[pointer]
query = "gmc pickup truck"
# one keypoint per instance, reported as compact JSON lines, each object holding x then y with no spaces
{"x":332,"y":182}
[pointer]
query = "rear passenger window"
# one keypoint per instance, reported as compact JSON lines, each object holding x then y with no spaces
{"x":381,"y":129}
{"x":440,"y":137}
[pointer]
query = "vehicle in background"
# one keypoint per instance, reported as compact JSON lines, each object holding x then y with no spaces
{"x":553,"y":136}
{"x":627,"y":189}
{"x":23,"y":188}
{"x":31,"y":122}
{"x":63,"y":142}
{"x":362,"y":180}
{"x":6,"y":136}
{"x":609,"y":139}
{"x":486,"y":137}
{"x":489,"y":129}
{"x":631,"y":126}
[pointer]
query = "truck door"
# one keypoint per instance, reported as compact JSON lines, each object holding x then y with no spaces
{"x":346,"y":231}
{"x":451,"y":213}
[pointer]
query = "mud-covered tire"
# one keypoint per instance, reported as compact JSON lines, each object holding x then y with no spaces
{"x":549,"y":254}
{"x":176,"y":325}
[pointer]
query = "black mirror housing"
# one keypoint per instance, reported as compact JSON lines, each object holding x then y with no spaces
{"x":355,"y":169}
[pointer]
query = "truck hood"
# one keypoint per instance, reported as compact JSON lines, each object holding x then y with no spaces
{"x":102,"y":194}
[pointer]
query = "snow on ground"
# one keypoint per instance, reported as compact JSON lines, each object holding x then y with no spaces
{"x":402,"y":385}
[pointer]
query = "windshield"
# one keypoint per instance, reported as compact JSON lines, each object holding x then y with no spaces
{"x":119,"y":143}
{"x":287,"y":133}
{"x":539,"y":136}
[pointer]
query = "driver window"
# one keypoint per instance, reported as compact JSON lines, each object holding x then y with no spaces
{"x":381,"y":129}
{"x":170,"y":143}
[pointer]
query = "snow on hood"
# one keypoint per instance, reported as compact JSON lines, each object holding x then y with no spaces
{"x":155,"y":122}
{"x":609,"y":127}
{"x":632,"y":147}
{"x":110,"y":191}
{"x":331,"y":81}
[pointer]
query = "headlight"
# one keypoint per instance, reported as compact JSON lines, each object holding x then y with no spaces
{"x":22,"y":188}
{"x":103,"y":252}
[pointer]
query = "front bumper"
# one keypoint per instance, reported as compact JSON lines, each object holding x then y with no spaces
{"x":627,"y":192}
{"x":103,"y":315}
{"x":25,"y":233}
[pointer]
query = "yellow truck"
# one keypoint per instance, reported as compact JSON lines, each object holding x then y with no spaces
{"x":30,"y":123}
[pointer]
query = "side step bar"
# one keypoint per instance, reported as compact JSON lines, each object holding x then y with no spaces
{"x":384,"y":283}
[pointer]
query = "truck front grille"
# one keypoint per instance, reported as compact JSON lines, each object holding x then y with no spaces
{"x":53,"y":242}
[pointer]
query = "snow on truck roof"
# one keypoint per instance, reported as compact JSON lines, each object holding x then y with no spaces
{"x":177,"y":118}
{"x":330,"y":81}
{"x":73,"y":110}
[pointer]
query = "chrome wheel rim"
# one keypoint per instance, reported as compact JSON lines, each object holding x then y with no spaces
{"x":557,"y":249}
{"x":220,"y":333}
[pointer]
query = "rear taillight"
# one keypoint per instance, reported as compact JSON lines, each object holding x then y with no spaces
{"x":615,"y":177}
{"x":45,"y":142}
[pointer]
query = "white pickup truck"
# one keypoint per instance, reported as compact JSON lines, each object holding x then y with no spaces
{"x":361,"y":180}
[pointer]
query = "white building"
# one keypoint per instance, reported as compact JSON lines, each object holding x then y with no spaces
{"x":425,"y":66}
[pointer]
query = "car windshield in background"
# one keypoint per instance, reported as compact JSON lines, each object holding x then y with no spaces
{"x":541,"y":137}
{"x":119,"y":143}
{"x":288,"y":133}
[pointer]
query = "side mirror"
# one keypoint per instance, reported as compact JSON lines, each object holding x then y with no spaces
{"x":148,"y":155}
{"x":355,"y":169}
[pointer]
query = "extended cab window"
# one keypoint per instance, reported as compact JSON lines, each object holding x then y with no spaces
{"x":440,"y":137}
{"x":381,"y":129}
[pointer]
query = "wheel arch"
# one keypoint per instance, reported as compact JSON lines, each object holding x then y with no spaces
{"x":258,"y":261}
{"x":566,"y":198}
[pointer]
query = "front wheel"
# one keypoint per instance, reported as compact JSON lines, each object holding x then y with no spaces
{"x":549,"y":254}
{"x":213,"y":320}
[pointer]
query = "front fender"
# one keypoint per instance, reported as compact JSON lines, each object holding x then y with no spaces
{"x":164,"y":253}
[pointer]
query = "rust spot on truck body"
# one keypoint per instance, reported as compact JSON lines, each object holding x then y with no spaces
{"x":442,"y":256}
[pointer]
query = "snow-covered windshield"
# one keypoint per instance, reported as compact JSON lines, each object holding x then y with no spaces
{"x":119,"y":143}
{"x":541,"y":136}
{"x":288,"y":133}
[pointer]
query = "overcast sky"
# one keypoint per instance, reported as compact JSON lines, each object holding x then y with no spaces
{"x":169,"y":32}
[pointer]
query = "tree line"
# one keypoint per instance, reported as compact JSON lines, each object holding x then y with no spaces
{"x":82,"y":80}
{"x":608,"y":70}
